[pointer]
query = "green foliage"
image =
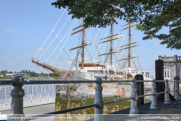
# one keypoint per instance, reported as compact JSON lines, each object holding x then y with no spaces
{"x":33,"y":74}
{"x":147,"y":89}
{"x":6,"y":77}
{"x":127,"y":83}
{"x":152,"y":16}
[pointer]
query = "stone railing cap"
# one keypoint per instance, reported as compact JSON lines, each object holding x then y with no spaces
{"x":18,"y":81}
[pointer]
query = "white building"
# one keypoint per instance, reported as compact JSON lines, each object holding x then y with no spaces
{"x":172,"y":66}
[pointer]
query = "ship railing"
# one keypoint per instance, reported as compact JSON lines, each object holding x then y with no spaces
{"x":17,"y":94}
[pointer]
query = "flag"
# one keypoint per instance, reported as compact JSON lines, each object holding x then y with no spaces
{"x":68,"y":75}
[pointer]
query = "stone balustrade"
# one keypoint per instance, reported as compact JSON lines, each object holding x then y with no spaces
{"x":18,"y":93}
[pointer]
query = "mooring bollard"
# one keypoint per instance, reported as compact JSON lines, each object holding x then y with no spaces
{"x":17,"y":94}
{"x":176,"y":95}
{"x":98,"y":100}
{"x":134,"y":110}
{"x":154,"y":104}
{"x":167,"y":91}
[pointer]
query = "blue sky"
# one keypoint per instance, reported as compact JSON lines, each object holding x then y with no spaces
{"x":25,"y":25}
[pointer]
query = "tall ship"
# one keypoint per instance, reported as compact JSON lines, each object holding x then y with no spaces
{"x":95,"y":69}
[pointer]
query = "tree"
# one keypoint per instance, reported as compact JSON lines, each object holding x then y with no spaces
{"x":33,"y":74}
{"x":152,"y":16}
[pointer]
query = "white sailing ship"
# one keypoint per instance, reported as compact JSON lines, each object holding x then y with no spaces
{"x":95,"y":69}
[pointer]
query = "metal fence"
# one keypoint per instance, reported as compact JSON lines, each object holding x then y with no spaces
{"x":34,"y":95}
{"x":17,"y":94}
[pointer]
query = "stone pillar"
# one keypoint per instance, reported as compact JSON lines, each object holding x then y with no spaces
{"x":176,"y":87}
{"x":176,"y":78}
{"x":175,"y":58}
{"x":175,"y":69}
{"x":159,"y":57}
{"x":154,"y":104}
{"x":17,"y":94}
{"x":159,"y":72}
{"x":98,"y":100}
{"x":147,"y":74}
{"x":167,"y":97}
{"x":140,"y":89}
{"x":133,"y":109}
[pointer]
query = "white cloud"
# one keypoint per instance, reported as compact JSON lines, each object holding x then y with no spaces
{"x":4,"y":57}
{"x":10,"y":30}
{"x":19,"y":58}
{"x":156,"y":43}
{"x":25,"y":54}
{"x":11,"y":46}
{"x":40,"y":49}
{"x":7,"y":52}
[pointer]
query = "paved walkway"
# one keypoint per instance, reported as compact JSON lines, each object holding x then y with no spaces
{"x":40,"y":109}
{"x":145,"y":111}
{"x":165,"y":112}
{"x":122,"y":115}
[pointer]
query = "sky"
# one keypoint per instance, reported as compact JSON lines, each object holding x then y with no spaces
{"x":26,"y":25}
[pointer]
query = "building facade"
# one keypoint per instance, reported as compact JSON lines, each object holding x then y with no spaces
{"x":172,"y":66}
{"x":16,"y":74}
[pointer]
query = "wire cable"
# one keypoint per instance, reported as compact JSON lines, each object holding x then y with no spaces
{"x":64,"y":42}
{"x":50,"y":33}
{"x":54,"y":38}
{"x":60,"y":42}
{"x":101,"y":43}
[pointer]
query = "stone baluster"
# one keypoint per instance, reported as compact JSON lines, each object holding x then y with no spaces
{"x":176,"y":90}
{"x":167,"y":96}
{"x":98,"y":100}
{"x":134,"y":110}
{"x":154,"y":104}
{"x":17,"y":94}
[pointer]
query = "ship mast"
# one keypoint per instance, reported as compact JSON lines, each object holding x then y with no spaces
{"x":129,"y":44}
{"x":129,"y":54}
{"x":83,"y":46}
{"x":83,"y":41}
{"x":111,"y":43}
